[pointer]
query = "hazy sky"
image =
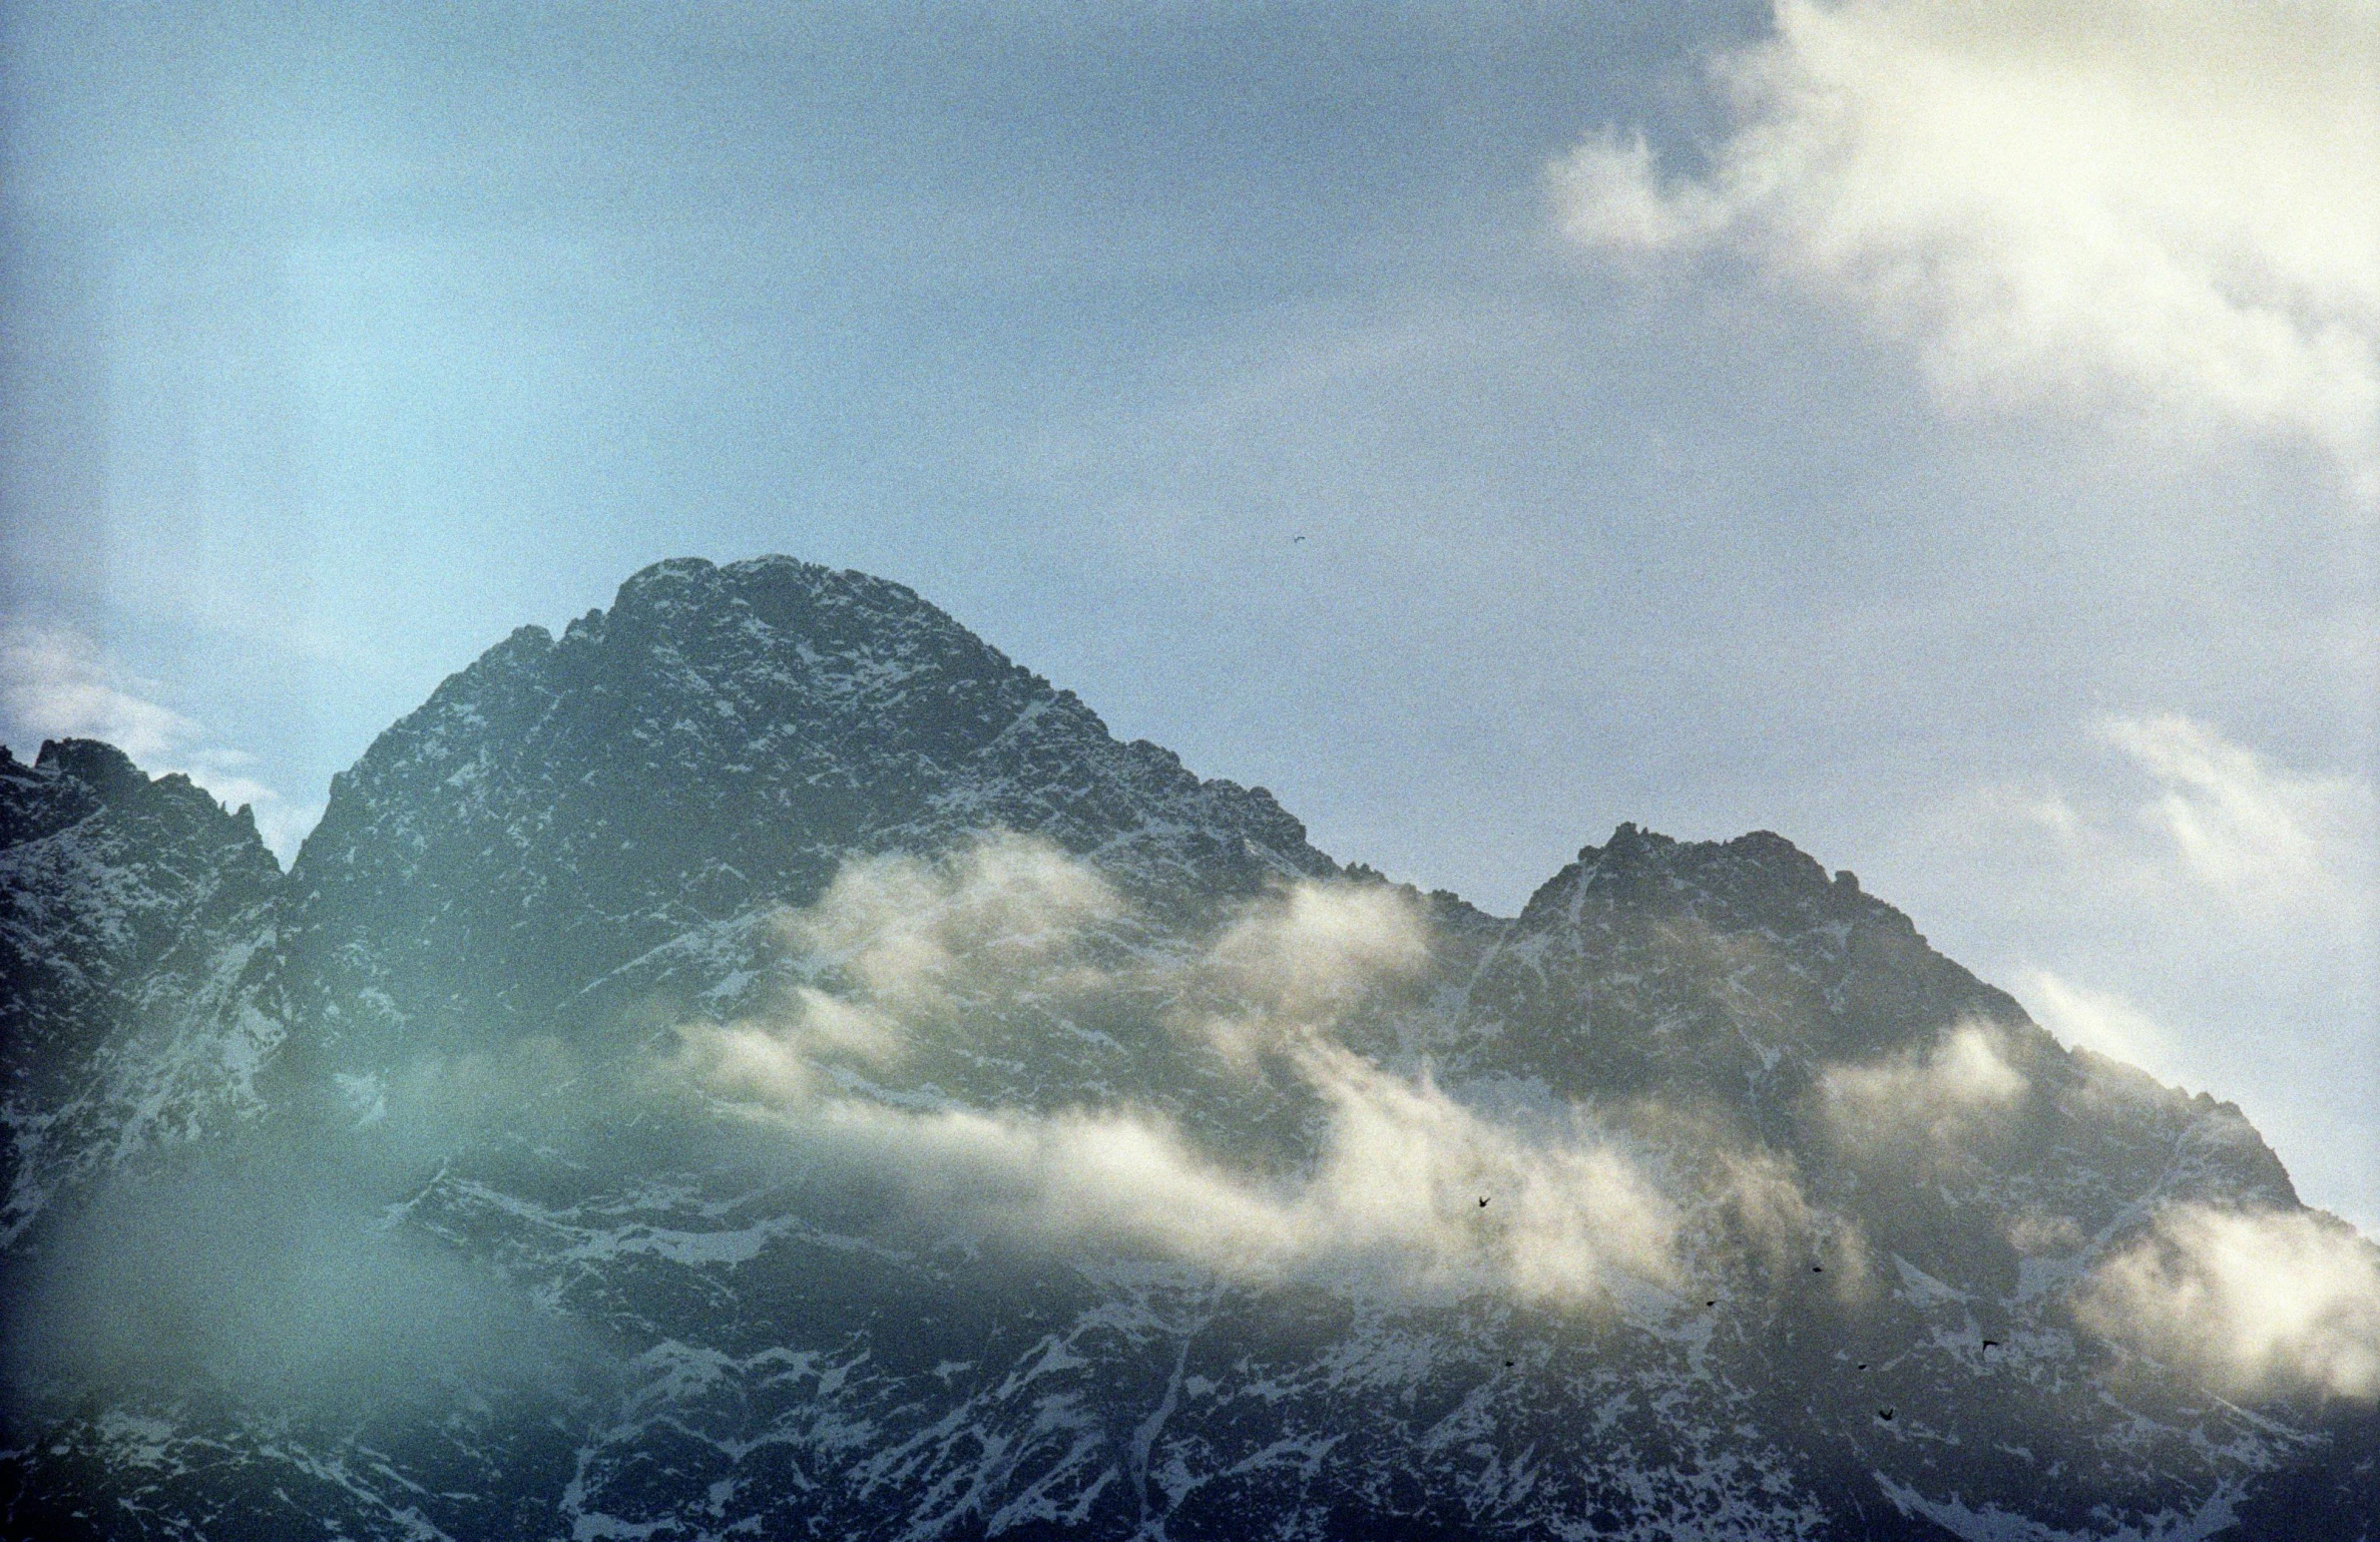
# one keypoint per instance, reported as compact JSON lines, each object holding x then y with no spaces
{"x":1946,"y":437}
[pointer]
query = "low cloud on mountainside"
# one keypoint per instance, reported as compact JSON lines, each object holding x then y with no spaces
{"x":2158,"y":207}
{"x":262,"y":1275}
{"x":2251,"y":1303}
{"x":2254,"y":1303}
{"x":1393,"y":1193}
{"x":2258,"y":1305}
{"x":1926,"y":1104}
{"x":914,"y":939}
{"x":284,"y":1275}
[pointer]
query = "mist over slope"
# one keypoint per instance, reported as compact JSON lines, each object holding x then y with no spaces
{"x":762,"y":1060}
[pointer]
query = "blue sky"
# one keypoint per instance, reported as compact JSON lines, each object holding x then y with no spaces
{"x":1947,"y":438}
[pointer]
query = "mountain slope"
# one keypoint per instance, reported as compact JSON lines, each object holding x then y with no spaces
{"x":681,"y":1119}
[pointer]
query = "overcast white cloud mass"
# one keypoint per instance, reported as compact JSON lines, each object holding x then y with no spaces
{"x":2257,"y":1303}
{"x":58,"y":685}
{"x":2159,"y":207}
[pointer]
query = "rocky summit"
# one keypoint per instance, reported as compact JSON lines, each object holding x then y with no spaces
{"x":761,"y":1063}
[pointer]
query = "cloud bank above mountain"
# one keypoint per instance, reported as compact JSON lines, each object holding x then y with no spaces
{"x":2161,"y":208}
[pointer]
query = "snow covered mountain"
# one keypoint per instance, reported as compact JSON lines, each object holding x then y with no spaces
{"x":761,"y":1063}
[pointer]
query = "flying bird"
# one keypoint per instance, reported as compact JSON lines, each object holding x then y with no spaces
{"x":1483,"y":1201}
{"x":1885,"y":1414}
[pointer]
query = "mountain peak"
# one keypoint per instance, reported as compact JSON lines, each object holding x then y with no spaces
{"x":107,"y":769}
{"x":723,"y":738}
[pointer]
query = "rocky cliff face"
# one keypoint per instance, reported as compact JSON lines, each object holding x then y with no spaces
{"x":128,"y":908}
{"x":581,"y":1192}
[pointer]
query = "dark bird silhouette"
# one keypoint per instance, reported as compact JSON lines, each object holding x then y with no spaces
{"x":1294,"y":540}
{"x":1508,"y":1365}
{"x":1818,"y":1269}
{"x":1483,"y":1201}
{"x":1711,"y":1303}
{"x":1885,"y":1414}
{"x":1863,"y":1364}
{"x":1991,"y":1344}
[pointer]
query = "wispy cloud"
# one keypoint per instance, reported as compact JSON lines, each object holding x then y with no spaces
{"x":901,"y":943}
{"x":2220,"y":836}
{"x":1295,"y":962}
{"x":2102,"y":1021}
{"x":1391,"y":1202}
{"x":2201,"y":908}
{"x":263,"y":1274}
{"x":2256,"y":1303}
{"x":2261,"y":839}
{"x":59,"y":684}
{"x":2147,"y":206}
{"x":1392,"y":1195}
{"x":1930,"y":1103}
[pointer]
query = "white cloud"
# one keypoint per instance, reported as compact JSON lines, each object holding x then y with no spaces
{"x":1762,"y":1194}
{"x":58,"y":685}
{"x":2218,"y":841}
{"x":2199,"y":908}
{"x":910,"y":940}
{"x":1392,"y":1195}
{"x":2262,"y":838}
{"x":1391,"y":1202}
{"x":1295,"y":962}
{"x":2209,"y":827}
{"x":2165,"y":207}
{"x":2256,"y":1303}
{"x":2102,"y":1021}
{"x":55,"y":684}
{"x":1931,"y":1102}
{"x":909,"y":931}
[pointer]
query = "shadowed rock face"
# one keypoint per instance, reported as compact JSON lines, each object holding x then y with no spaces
{"x":123,"y":901}
{"x":579,"y":841}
